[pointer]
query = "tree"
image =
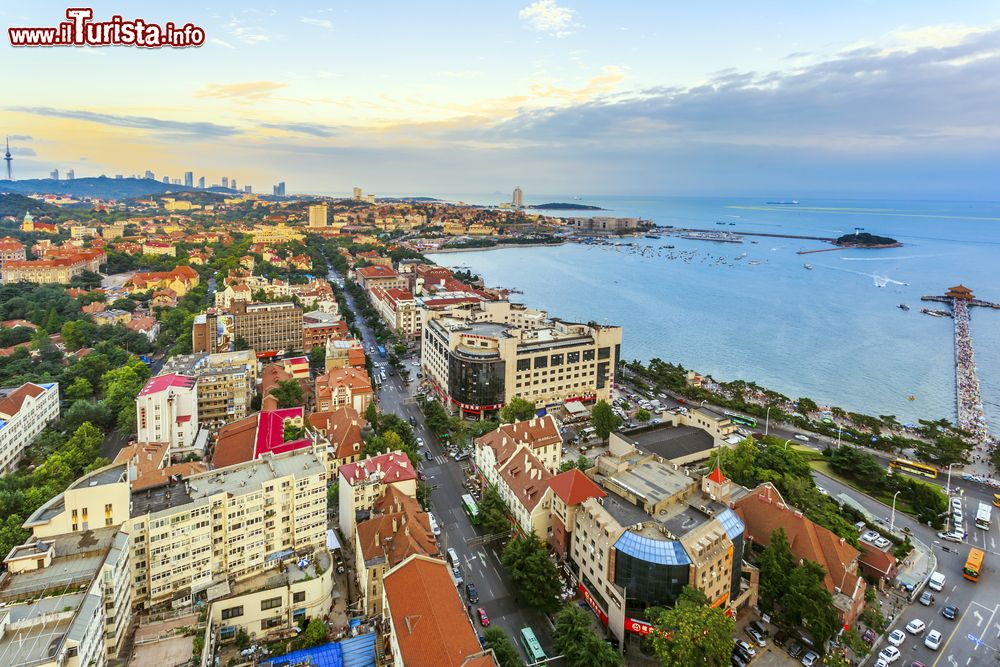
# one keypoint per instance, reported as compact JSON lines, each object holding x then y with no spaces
{"x":289,"y":394}
{"x":503,"y":648}
{"x":493,"y":513}
{"x":79,"y":388}
{"x":77,"y":334}
{"x":807,"y":601}
{"x":240,"y":344}
{"x":290,"y":432}
{"x":533,"y":572}
{"x":577,"y":642}
{"x":517,"y":409}
{"x":371,"y":415}
{"x":692,"y":633}
{"x":315,"y":633}
{"x":317,"y":357}
{"x":776,"y":561}
{"x":643,"y":415}
{"x":603,"y":419}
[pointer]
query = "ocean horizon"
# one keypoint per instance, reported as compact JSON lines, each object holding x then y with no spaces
{"x":752,"y":311}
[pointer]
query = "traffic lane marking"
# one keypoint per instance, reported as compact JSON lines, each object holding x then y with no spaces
{"x":944,"y":647}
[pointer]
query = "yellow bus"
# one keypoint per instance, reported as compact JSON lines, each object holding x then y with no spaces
{"x":914,"y":468}
{"x":973,"y":564}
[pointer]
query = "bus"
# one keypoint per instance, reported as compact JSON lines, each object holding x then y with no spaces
{"x":531,"y":646}
{"x":973,"y":564}
{"x":914,"y":468}
{"x":983,"y":515}
{"x":741,"y":420}
{"x":470,"y":507}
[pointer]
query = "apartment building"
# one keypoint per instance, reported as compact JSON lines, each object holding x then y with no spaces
{"x":263,"y":327}
{"x":341,"y":387}
{"x":318,"y":327}
{"x":397,"y":529}
{"x":569,"y":490}
{"x":654,"y":531}
{"x":65,"y":601}
{"x":226,"y":382}
{"x":24,"y":412}
{"x":167,"y":411}
{"x":276,"y":234}
{"x":225,"y":525}
{"x":342,"y":430}
{"x":318,"y":214}
{"x":369,"y":277}
{"x":426,"y":620}
{"x":11,"y":249}
{"x":479,"y":355}
{"x":159,"y":248}
{"x":398,"y":310}
{"x":348,"y":353}
{"x":180,"y":279}
{"x":53,"y":270}
{"x":362,"y":483}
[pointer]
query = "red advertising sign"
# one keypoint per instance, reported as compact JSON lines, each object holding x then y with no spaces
{"x":637,"y":627}
{"x":593,"y":604}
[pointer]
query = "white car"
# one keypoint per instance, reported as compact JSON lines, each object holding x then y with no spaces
{"x":953,"y":536}
{"x":890,"y":654}
{"x":810,"y":659}
{"x":896,"y":637}
{"x":869,"y":536}
{"x":801,"y":438}
{"x":420,"y":442}
{"x":882,"y":543}
{"x":933,"y":640}
{"x":956,"y":504}
{"x":746,"y":647}
{"x":916,"y":626}
{"x":822,"y":490}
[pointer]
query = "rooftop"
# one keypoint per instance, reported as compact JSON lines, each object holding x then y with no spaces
{"x":669,"y":442}
{"x":165,"y":382}
{"x":652,"y":481}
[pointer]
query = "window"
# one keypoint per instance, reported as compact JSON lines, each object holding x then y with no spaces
{"x":541,"y":362}
{"x":572,"y":357}
{"x":604,"y":353}
{"x":227,"y":632}
{"x":299,"y":597}
{"x":232,"y":612}
{"x":557,"y":360}
{"x":588,"y":355}
{"x":269,"y":623}
{"x":270,"y":603}
{"x":523,"y":364}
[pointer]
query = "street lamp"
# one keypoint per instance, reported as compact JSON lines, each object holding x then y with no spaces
{"x":892,"y":521}
{"x":786,"y":444}
{"x":840,"y":429}
{"x":767,"y":420}
{"x":948,"y":491}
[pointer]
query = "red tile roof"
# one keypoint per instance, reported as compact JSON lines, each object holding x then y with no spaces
{"x":573,"y":487}
{"x":390,"y":467}
{"x":11,"y":404}
{"x":397,"y":529}
{"x":377,"y":271}
{"x":342,"y":427}
{"x":527,"y":478}
{"x":168,"y":381}
{"x":429,"y":619}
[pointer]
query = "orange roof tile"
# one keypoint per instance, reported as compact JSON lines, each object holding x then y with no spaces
{"x":573,"y":487}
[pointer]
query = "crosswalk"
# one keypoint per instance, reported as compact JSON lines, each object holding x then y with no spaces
{"x":441,"y":458}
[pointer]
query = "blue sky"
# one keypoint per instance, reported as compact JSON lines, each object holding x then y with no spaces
{"x":844,"y":98}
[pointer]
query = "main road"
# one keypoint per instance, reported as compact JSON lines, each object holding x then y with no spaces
{"x":480,"y":562}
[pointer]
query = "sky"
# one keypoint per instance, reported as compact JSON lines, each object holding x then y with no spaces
{"x":845,"y":98}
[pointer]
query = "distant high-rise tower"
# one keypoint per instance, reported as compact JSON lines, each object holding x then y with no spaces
{"x":54,"y":174}
{"x":70,"y":175}
{"x":518,"y":200}
{"x":358,"y":194}
{"x":317,"y":215}
{"x":150,"y":175}
{"x":279,"y":189}
{"x":166,"y":179}
{"x":225,"y":181}
{"x":247,"y":189}
{"x":8,"y":158}
{"x":189,"y":178}
{"x":175,"y":181}
{"x":201,"y":182}
{"x":232,"y":184}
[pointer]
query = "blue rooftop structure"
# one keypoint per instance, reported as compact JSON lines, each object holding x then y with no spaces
{"x":731,"y":523}
{"x":662,"y":552}
{"x":353,"y":652}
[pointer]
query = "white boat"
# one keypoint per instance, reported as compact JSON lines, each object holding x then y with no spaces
{"x":807,"y":266}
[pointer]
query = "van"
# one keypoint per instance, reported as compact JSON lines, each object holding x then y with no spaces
{"x":759,"y":627}
{"x":453,"y":557}
{"x":936,"y":582}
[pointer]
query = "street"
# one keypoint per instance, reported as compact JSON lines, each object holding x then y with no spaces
{"x":480,"y":563}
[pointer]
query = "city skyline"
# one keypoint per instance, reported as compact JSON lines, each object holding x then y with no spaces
{"x":559,"y":96}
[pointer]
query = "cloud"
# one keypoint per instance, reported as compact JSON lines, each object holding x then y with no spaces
{"x":173,"y":127}
{"x":247,"y":90}
{"x":248,"y":34}
{"x":548,"y":17}
{"x":19,"y":137}
{"x":311,"y":129}
{"x":22,"y":150}
{"x":326,"y":24}
{"x":219,"y":42}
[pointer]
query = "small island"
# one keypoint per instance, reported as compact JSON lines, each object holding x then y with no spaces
{"x":563,"y":206}
{"x":866,"y":240}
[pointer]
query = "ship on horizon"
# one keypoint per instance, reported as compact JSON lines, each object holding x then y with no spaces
{"x":784,"y":202}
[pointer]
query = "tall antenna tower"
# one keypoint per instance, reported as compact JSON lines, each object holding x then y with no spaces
{"x":8,"y":158}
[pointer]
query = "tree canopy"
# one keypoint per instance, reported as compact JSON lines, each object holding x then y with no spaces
{"x":603,"y":419}
{"x":533,"y":572}
{"x":577,"y":642}
{"x":517,"y":409}
{"x":289,"y":394}
{"x":692,"y":633}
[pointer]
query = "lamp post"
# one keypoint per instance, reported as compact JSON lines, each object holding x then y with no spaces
{"x":892,"y":520}
{"x":786,"y":444}
{"x":767,"y":420}
{"x":840,"y":429}
{"x":948,"y":491}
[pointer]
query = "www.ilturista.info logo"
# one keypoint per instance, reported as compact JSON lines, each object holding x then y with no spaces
{"x":80,"y":30}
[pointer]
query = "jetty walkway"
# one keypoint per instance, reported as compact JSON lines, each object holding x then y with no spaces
{"x":971,"y":416}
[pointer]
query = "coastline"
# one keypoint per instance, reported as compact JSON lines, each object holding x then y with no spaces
{"x":499,"y":246}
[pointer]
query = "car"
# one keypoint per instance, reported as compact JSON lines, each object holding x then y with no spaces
{"x":810,"y":658}
{"x":953,"y":536}
{"x":420,"y":441}
{"x":956,"y":504}
{"x":760,"y":628}
{"x":780,"y":637}
{"x":881,"y":663}
{"x":860,"y":525}
{"x":882,"y":543}
{"x":933,"y":640}
{"x":869,"y":536}
{"x":737,"y":660}
{"x":822,"y":490}
{"x":427,"y":454}
{"x":471,"y":593}
{"x":917,"y":663}
{"x":936,"y":582}
{"x":795,"y":650}
{"x":926,"y":599}
{"x":801,"y":438}
{"x":742,"y":654}
{"x":916,"y":626}
{"x":890,"y":654}
{"x":756,"y":636}
{"x":742,"y":646}
{"x":896,"y":637}
{"x":413,"y":421}
{"x":484,"y":620}
{"x":950,"y":612}
{"x":435,"y":526}
{"x":458,"y":575}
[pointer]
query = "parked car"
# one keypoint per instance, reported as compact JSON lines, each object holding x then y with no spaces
{"x":926,"y":599}
{"x":916,"y":626}
{"x":810,"y":658}
{"x":950,"y":612}
{"x":780,"y":637}
{"x":471,"y":593}
{"x":869,"y":536}
{"x":756,"y":636}
{"x":890,"y":654}
{"x":896,"y":637}
{"x":882,"y":543}
{"x":795,"y":650}
{"x":933,"y":640}
{"x":484,"y":620}
{"x":860,"y":525}
{"x":760,"y":628}
{"x":744,"y":647}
